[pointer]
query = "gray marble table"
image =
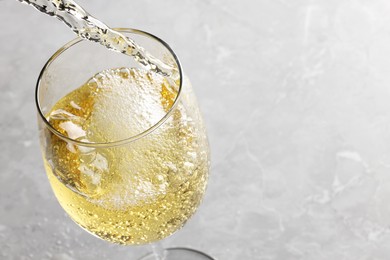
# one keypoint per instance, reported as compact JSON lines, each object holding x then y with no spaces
{"x":296,"y":97}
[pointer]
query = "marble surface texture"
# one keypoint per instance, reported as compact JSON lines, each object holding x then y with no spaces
{"x":296,"y":97}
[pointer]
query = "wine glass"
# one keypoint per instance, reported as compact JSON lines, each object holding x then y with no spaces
{"x":129,"y":165}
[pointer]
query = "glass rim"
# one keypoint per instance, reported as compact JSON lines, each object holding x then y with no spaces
{"x":125,"y":140}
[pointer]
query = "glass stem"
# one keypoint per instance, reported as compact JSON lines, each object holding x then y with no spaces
{"x":158,"y":251}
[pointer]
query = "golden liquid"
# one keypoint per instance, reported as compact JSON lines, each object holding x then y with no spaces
{"x":135,"y":193}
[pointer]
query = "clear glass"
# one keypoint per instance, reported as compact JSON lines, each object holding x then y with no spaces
{"x":132,"y":189}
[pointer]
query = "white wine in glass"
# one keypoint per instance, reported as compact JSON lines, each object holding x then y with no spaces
{"x":125,"y":149}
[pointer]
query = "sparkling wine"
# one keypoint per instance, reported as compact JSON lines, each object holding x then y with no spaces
{"x":135,"y":193}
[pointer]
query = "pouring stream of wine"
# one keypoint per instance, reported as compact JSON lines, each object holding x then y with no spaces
{"x":90,"y":28}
